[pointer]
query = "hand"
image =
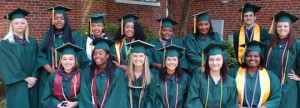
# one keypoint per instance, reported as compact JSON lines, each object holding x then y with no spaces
{"x":157,"y":66}
{"x":293,"y":76}
{"x":48,"y":68}
{"x":240,"y":106}
{"x":71,"y":104}
{"x":124,"y":67}
{"x":30,"y":81}
{"x":262,"y":107}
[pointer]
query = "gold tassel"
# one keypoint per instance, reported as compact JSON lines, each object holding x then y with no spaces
{"x":195,"y":24}
{"x":242,"y":13}
{"x":164,"y":57}
{"x":271,"y":31}
{"x":91,"y":29}
{"x":7,"y":24}
{"x":53,"y":15}
{"x":203,"y":62}
{"x":55,"y":58}
{"x":122,"y":24}
{"x":160,"y":27}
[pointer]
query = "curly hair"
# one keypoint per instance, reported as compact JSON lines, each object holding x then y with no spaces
{"x":138,"y":33}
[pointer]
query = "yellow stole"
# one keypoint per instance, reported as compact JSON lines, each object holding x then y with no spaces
{"x":264,"y":81}
{"x":256,"y":36}
{"x":118,"y":47}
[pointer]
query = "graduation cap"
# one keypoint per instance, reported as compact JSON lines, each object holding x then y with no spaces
{"x":58,"y":10}
{"x":202,"y":16}
{"x":254,"y":46}
{"x":213,"y":49}
{"x":101,"y":43}
{"x":68,"y":48}
{"x":247,"y":7}
{"x":95,"y":18}
{"x":171,"y":51}
{"x":127,"y":18}
{"x":165,"y":22}
{"x":17,"y":13}
{"x":282,"y":16}
{"x":139,"y":46}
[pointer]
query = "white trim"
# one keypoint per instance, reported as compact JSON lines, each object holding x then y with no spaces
{"x":138,"y":2}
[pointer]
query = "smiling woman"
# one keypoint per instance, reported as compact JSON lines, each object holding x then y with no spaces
{"x":62,"y":87}
{"x":18,"y":55}
{"x":256,"y":86}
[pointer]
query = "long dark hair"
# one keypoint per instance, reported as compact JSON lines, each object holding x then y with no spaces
{"x":138,"y":33}
{"x":261,"y":63}
{"x":210,"y":32}
{"x":67,"y":34}
{"x":178,"y":72}
{"x":110,"y":67}
{"x":223,"y":71}
{"x":290,"y":38}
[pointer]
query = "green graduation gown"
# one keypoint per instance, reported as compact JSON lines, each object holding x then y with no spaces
{"x":148,"y":97}
{"x":194,"y":48}
{"x":45,"y":56}
{"x":116,"y":94}
{"x":198,"y":91}
{"x":157,"y":56}
{"x":274,"y":98}
{"x":18,"y":62}
{"x":265,"y":37}
{"x":160,"y":98}
{"x":290,"y":89}
{"x":49,"y":100}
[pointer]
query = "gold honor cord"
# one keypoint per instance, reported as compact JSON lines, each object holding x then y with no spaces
{"x":207,"y":93}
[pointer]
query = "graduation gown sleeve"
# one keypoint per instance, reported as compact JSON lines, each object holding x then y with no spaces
{"x":48,"y":100}
{"x":118,"y":92}
{"x":275,"y":95}
{"x":10,"y":66}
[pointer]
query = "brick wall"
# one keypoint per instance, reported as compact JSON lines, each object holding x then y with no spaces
{"x":229,"y":12}
{"x":39,"y":18}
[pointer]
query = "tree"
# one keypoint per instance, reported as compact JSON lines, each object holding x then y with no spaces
{"x":184,"y":17}
{"x":86,"y":10}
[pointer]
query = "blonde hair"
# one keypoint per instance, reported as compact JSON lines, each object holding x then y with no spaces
{"x":10,"y":35}
{"x":146,"y":72}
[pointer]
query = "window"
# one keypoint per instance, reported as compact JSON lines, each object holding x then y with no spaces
{"x":218,"y":26}
{"x":140,"y":2}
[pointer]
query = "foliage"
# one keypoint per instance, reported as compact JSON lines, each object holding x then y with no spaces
{"x":232,"y":59}
{"x":3,"y":103}
{"x":109,"y":29}
{"x":149,"y":34}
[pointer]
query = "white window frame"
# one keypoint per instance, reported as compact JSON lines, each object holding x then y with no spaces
{"x":138,"y":2}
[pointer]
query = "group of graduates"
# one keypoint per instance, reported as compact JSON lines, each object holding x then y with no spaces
{"x":67,"y":70}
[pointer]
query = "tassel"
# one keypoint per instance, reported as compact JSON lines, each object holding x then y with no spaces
{"x":164,"y":57}
{"x":122,"y":24}
{"x":160,"y":27}
{"x":203,"y":62}
{"x":243,"y":57}
{"x":53,"y":15}
{"x":242,"y":13}
{"x":55,"y":58}
{"x":271,"y":31}
{"x":195,"y":24}
{"x":91,"y":29}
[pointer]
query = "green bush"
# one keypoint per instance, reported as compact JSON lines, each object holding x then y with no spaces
{"x":2,"y":103}
{"x":109,"y":29}
{"x":232,"y":59}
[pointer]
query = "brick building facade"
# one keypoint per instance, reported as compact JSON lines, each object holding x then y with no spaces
{"x":39,"y":18}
